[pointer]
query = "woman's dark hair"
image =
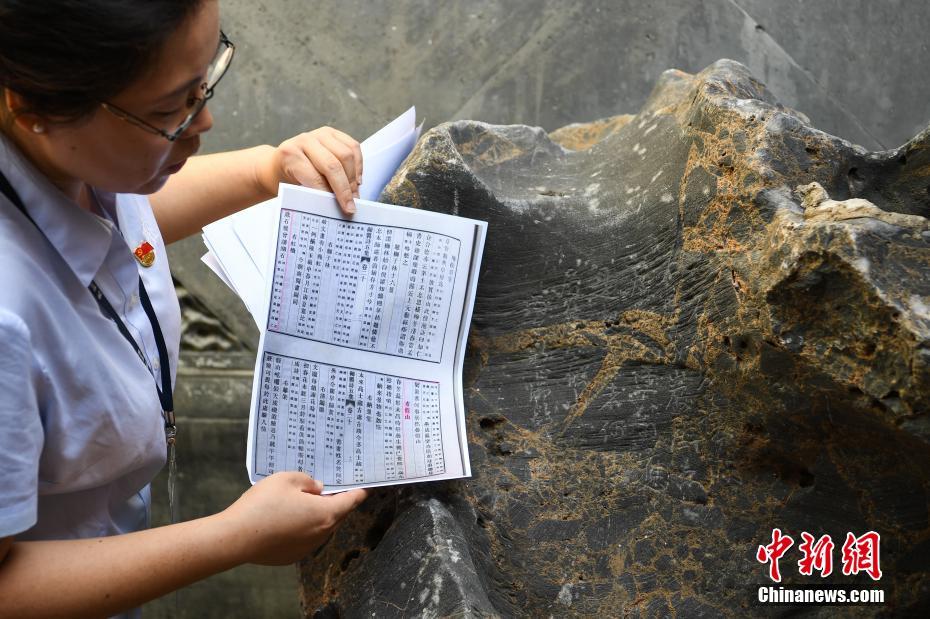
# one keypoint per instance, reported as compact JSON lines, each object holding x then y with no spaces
{"x":65,"y":57}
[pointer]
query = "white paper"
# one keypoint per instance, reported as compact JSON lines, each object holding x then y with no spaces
{"x":255,"y":227}
{"x":240,"y":270}
{"x":357,"y":389}
{"x":385,"y":150}
{"x":391,"y":132}
{"x":210,"y":260}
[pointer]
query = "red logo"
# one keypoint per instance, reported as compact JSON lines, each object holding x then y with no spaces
{"x":773,"y":552}
{"x":860,"y":554}
{"x":817,"y":556}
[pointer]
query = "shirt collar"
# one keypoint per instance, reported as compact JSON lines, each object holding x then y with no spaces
{"x":82,"y":238}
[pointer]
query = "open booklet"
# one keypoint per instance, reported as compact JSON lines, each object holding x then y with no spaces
{"x":365,"y":321}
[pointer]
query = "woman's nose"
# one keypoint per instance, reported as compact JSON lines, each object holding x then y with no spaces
{"x":202,"y":123}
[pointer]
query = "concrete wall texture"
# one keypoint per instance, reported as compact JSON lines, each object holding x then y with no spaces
{"x":855,"y":67}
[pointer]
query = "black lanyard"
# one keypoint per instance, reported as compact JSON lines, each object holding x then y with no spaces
{"x":164,"y":390}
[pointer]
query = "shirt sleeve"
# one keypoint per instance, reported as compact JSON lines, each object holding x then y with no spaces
{"x":21,"y":435}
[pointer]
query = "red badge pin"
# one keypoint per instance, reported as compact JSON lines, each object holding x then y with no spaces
{"x":145,"y":254}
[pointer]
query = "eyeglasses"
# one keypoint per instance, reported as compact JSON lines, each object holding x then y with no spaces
{"x":215,"y":72}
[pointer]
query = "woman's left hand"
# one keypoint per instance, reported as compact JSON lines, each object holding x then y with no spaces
{"x":324,"y":158}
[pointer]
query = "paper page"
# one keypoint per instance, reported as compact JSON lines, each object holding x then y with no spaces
{"x":392,"y":132}
{"x":349,"y":427}
{"x":381,"y":166}
{"x":245,"y":277}
{"x":481,"y":230}
{"x":355,"y":379}
{"x":210,"y":260}
{"x":255,"y":228}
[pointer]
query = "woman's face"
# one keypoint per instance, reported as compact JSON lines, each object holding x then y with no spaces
{"x":107,"y":152}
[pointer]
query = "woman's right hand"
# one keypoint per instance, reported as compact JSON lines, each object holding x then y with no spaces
{"x":283,"y":518}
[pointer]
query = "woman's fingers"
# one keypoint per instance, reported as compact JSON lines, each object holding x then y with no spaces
{"x":356,"y":152}
{"x":306,"y":483}
{"x":332,"y":169}
{"x":345,"y":502}
{"x":324,"y":159}
{"x":303,"y":172}
{"x":347,"y":150}
{"x":340,"y":505}
{"x":346,"y":158}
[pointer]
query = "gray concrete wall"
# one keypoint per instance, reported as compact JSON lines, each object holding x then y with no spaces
{"x":855,"y":67}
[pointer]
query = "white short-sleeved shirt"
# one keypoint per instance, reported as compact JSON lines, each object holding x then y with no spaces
{"x":81,"y":430}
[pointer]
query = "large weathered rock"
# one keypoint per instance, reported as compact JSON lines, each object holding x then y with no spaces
{"x":679,"y":343}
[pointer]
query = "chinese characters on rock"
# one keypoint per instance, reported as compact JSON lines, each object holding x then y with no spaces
{"x":392,"y":286}
{"x":345,"y":426}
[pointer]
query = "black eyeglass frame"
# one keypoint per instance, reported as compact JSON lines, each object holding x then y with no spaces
{"x":198,"y":102}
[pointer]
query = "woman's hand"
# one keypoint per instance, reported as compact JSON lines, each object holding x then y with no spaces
{"x":324,"y":158}
{"x":284,"y":518}
{"x":279,"y":520}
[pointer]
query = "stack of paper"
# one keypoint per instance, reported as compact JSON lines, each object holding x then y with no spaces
{"x":240,"y":246}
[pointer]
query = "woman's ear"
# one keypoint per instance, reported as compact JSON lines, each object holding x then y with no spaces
{"x":13,"y":104}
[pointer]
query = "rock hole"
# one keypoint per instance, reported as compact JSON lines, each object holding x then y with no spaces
{"x":379,"y":527}
{"x":893,"y":394}
{"x":351,"y":556}
{"x":810,"y":150}
{"x":856,"y":181}
{"x":487,"y":423}
{"x":726,"y":340}
{"x":805,"y":478}
{"x":896,"y":315}
{"x":481,"y":522}
{"x":868,"y":349}
{"x":760,"y":28}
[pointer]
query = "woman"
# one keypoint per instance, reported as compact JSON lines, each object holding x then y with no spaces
{"x":103,"y":103}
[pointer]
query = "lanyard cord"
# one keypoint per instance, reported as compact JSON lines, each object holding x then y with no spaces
{"x":164,"y":390}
